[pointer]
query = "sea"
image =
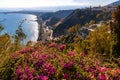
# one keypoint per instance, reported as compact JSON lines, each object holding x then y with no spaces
{"x":28,"y":22}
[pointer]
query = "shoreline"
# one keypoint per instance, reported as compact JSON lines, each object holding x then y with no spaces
{"x":39,"y":21}
{"x":44,"y":31}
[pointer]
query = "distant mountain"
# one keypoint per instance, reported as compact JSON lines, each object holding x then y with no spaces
{"x":114,"y":3}
{"x":59,"y":14}
{"x":80,"y":17}
{"x":57,"y":8}
{"x":47,"y":15}
{"x":53,"y":21}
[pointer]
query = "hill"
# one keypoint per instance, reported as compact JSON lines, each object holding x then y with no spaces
{"x":80,"y":16}
{"x":59,"y":14}
{"x":52,"y":21}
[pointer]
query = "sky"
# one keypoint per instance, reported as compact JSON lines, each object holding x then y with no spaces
{"x":51,"y":3}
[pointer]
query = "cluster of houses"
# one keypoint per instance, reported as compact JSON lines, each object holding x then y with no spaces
{"x":101,"y":8}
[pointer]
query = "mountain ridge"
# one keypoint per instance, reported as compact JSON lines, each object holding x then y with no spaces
{"x":58,"y":14}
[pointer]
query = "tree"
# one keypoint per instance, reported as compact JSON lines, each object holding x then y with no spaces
{"x":74,"y":29}
{"x":91,"y":22}
{"x":19,"y":32}
{"x":5,"y":42}
{"x":1,"y":28}
{"x":100,"y":41}
{"x":116,"y":29}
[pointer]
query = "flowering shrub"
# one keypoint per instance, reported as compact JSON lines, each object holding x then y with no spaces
{"x":55,"y":62}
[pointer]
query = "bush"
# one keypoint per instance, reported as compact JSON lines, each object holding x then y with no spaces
{"x":50,"y":62}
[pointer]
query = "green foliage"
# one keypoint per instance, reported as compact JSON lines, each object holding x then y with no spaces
{"x":116,"y":15}
{"x":5,"y":42}
{"x":87,"y":24}
{"x":91,"y":22}
{"x":74,"y":29}
{"x":9,"y":45}
{"x":20,"y":34}
{"x":105,"y":15}
{"x":1,"y":28}
{"x":100,"y":41}
{"x":80,"y":45}
{"x":116,"y":30}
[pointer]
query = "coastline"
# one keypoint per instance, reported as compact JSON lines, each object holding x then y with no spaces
{"x":44,"y":31}
{"x":39,"y":21}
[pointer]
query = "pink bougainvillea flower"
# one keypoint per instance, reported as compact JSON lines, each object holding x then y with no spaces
{"x":18,"y":71}
{"x":49,"y":69}
{"x":61,"y":47}
{"x":102,"y":77}
{"x":25,"y":50}
{"x":82,"y":54}
{"x":78,"y":75}
{"x":71,"y":54}
{"x":102,"y":69}
{"x":41,"y":77}
{"x":66,"y":76}
{"x":52,"y":45}
{"x":67,"y":65}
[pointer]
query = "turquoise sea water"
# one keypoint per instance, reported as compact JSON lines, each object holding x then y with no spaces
{"x":10,"y":22}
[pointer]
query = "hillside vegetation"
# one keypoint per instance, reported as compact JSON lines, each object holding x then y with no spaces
{"x":82,"y":17}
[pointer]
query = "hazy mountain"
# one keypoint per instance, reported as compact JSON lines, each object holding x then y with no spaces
{"x":114,"y":3}
{"x":57,"y":8}
{"x":59,"y":14}
{"x":52,"y":21}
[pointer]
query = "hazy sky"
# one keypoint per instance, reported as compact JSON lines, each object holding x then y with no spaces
{"x":47,"y":3}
